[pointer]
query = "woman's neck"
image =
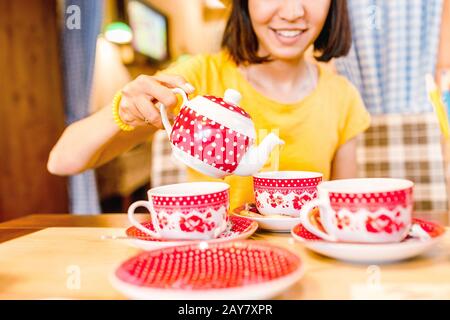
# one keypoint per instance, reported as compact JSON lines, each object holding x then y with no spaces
{"x":283,"y":81}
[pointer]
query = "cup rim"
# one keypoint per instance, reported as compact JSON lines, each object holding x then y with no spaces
{"x":193,"y":189}
{"x":360,"y":186}
{"x":287,"y":175}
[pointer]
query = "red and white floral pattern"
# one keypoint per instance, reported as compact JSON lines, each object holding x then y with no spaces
{"x":363,"y":223}
{"x":433,"y":229}
{"x":371,"y":201}
{"x":236,"y":227}
{"x":218,"y":266}
{"x":284,"y":196}
{"x":385,"y":223}
{"x":384,"y":212}
{"x":191,"y":214}
{"x":211,"y":142}
{"x":374,"y":253}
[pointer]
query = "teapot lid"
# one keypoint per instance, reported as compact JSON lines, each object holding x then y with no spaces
{"x":230,"y":101}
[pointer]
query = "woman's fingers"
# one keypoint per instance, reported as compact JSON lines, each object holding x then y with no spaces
{"x":148,"y":111}
{"x":174,"y":81}
{"x":139,"y":111}
{"x":128,"y":109}
{"x":127,"y":117}
{"x":139,"y":97}
{"x":156,"y":90}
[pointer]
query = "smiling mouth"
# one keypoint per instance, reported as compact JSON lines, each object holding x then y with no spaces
{"x":288,"y":33}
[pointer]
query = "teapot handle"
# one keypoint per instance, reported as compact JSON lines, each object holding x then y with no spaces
{"x":163,"y":111}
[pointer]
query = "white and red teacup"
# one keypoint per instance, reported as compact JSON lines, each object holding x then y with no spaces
{"x":284,"y":192}
{"x":372,"y":210}
{"x":185,"y":211}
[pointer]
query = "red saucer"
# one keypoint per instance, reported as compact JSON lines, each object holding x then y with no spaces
{"x":237,"y":226}
{"x":373,"y":253}
{"x":432,"y":228}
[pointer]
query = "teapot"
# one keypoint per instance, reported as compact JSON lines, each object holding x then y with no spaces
{"x":215,"y":136}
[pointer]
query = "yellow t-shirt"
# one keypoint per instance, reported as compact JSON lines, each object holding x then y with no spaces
{"x":313,"y":128}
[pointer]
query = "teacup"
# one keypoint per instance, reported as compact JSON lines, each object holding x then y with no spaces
{"x":284,"y":192}
{"x":190,"y":211}
{"x":372,"y":210}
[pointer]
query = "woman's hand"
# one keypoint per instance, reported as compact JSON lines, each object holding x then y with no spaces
{"x":140,"y":96}
{"x":95,"y":140}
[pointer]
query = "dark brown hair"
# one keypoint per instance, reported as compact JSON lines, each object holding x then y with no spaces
{"x":240,"y":39}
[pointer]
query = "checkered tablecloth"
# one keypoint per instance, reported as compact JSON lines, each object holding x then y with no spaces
{"x":406,"y":146}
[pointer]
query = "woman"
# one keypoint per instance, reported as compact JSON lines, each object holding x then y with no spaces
{"x":317,"y":113}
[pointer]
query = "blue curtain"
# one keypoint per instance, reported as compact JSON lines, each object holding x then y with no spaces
{"x":81,"y":26}
{"x":395,"y":44}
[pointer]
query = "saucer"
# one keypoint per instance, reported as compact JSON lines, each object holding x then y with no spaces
{"x":273,"y":223}
{"x":234,"y":270}
{"x":369,"y":253}
{"x":238,"y":228}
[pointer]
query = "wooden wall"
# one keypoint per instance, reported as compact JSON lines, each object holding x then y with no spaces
{"x":31,"y":108}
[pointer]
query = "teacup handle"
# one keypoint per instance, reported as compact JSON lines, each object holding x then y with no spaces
{"x":137,"y":224}
{"x":304,"y":218}
{"x":163,"y":111}
{"x":220,"y":228}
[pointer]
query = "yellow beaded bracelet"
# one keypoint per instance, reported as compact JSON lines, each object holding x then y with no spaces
{"x":115,"y":109}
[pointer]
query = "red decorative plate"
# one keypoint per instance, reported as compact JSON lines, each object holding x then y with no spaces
{"x":233,"y":270}
{"x":369,"y":253}
{"x":300,"y":231}
{"x":238,"y":228}
{"x":433,"y":229}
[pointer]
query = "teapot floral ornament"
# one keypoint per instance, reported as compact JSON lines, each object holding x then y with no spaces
{"x":215,"y":136}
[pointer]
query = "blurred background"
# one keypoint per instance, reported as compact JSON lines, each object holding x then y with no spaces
{"x":61,"y":60}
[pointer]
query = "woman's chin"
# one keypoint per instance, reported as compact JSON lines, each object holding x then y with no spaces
{"x":287,"y":54}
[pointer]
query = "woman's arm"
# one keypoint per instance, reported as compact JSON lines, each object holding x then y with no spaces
{"x":95,"y":140}
{"x":91,"y":142}
{"x":344,"y":164}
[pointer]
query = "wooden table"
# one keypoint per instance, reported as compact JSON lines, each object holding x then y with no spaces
{"x":65,"y":256}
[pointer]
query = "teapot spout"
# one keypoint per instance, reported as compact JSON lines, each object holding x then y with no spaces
{"x":256,"y":157}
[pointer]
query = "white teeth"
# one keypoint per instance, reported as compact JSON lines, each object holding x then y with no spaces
{"x":288,"y":33}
